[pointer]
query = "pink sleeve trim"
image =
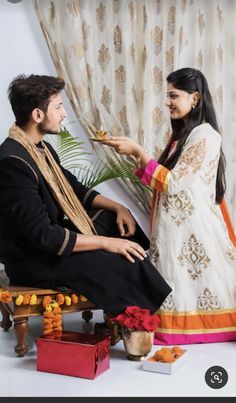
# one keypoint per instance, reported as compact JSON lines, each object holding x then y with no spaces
{"x":146,"y":174}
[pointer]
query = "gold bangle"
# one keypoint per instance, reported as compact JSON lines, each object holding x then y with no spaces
{"x":138,"y":160}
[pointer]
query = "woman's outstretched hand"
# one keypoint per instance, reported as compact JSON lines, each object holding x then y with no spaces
{"x":124,"y":145}
{"x":124,"y":247}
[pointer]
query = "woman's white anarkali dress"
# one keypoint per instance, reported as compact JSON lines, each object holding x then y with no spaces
{"x":193,"y":245}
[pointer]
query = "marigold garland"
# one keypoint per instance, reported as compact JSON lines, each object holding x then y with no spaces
{"x":52,"y":315}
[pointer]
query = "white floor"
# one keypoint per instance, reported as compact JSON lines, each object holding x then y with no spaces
{"x":19,"y":376}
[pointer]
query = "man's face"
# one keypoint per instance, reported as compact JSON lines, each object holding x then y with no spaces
{"x":51,"y":124}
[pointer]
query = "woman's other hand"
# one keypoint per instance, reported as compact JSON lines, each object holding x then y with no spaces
{"x":124,"y":247}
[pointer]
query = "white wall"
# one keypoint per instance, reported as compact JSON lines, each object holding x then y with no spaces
{"x":24,"y":51}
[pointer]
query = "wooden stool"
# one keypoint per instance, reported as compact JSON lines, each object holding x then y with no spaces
{"x":21,"y":313}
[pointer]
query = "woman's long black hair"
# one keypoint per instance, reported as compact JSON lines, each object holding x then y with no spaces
{"x":192,"y":80}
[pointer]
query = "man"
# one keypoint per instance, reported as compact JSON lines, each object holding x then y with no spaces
{"x":49,"y":235}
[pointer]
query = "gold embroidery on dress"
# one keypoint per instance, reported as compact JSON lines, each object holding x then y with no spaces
{"x":194,"y":257}
{"x":231,"y":251}
{"x":104,"y":57}
{"x":153,"y":250}
{"x":106,"y":98}
{"x":211,"y":171}
{"x":157,"y":152}
{"x":168,"y":304}
{"x":208,"y":302}
{"x":118,"y":39}
{"x":191,"y":160}
{"x":179,"y":206}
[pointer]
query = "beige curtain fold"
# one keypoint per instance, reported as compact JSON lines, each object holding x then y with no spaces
{"x":115,"y":55}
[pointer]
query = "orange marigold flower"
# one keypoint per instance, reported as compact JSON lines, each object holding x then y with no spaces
{"x":26,"y":299}
{"x":57,"y":310}
{"x":47,"y":331}
{"x":5,"y":297}
{"x":74,"y":299}
{"x":60,"y":299}
{"x":48,"y":314}
{"x":47,"y":326}
{"x":46,"y":300}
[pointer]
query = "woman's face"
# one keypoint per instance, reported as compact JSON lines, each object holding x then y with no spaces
{"x":179,"y":102}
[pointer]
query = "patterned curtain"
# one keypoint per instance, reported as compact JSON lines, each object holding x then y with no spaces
{"x":115,"y":55}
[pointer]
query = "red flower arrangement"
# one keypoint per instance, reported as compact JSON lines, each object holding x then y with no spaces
{"x":137,"y":319}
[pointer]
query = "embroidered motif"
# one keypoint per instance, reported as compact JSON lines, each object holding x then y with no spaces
{"x":168,"y":304}
{"x":118,"y":39}
{"x":231,"y":251}
{"x":191,"y":160}
{"x":120,"y":78}
{"x":171,"y":20}
{"x":208,"y":302}
{"x":193,"y":257}
{"x":157,"y":115}
{"x":104,"y":57}
{"x":101,"y":16}
{"x":179,"y":207}
{"x":157,"y":80}
{"x":106,"y":98}
{"x":211,"y":171}
{"x":153,"y":251}
{"x":157,"y":39}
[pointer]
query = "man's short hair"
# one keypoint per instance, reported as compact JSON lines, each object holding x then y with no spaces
{"x":26,"y":93}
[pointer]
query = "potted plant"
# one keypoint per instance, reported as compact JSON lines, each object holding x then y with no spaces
{"x":137,"y":327}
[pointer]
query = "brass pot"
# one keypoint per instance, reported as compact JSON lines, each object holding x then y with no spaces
{"x":137,"y":343}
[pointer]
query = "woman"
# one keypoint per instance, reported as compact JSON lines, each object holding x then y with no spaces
{"x":193,"y":244}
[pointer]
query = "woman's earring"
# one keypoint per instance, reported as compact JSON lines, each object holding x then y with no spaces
{"x":193,"y":105}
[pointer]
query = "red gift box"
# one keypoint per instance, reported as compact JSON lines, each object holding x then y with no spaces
{"x":75,"y":354}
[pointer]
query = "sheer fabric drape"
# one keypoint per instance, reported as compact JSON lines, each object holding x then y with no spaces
{"x":115,"y":56}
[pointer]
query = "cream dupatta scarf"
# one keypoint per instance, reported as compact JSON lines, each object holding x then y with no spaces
{"x":58,"y":183}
